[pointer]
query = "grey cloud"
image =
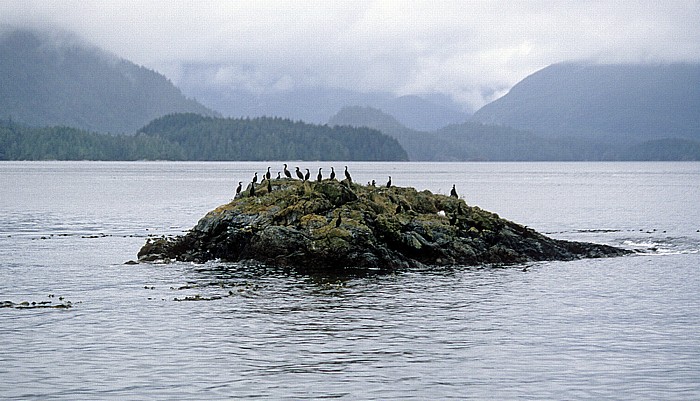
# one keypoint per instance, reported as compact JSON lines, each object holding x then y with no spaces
{"x":472,"y":51}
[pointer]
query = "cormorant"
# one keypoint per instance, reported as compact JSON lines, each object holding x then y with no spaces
{"x":286,"y":172}
{"x":299,"y":174}
{"x":308,"y":174}
{"x":319,"y":177}
{"x":373,"y":183}
{"x":388,"y":183}
{"x":279,"y":175}
{"x":238,"y":189}
{"x":269,"y":186}
{"x":332,"y":174}
{"x":252,"y":189}
{"x":453,"y":192}
{"x":337,"y":222}
{"x":267,"y":175}
{"x":347,"y":175}
{"x":453,"y":219}
{"x":255,"y":177}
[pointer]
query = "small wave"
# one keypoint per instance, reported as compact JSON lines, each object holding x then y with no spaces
{"x":666,"y":246}
{"x":597,"y":231}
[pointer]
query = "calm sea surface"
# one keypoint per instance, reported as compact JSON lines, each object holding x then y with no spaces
{"x":620,"y":328}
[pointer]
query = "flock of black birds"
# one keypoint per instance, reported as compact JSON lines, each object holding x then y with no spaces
{"x":305,"y":177}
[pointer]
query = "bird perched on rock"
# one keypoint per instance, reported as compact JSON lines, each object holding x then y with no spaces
{"x":299,"y":174}
{"x":286,"y":172}
{"x":255,"y":177}
{"x":279,"y":175}
{"x":268,"y":175}
{"x":453,"y":192}
{"x":307,"y":175}
{"x":332,"y":174}
{"x":319,"y":177}
{"x":238,"y":189}
{"x":252,"y":189}
{"x":453,"y":219}
{"x":388,"y":183}
{"x":269,"y":186}
{"x":347,"y":174}
{"x":337,"y":222}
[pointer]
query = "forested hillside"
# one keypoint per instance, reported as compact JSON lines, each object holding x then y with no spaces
{"x":21,"y":142}
{"x":206,"y":138}
{"x":54,"y":79}
{"x":195,"y":137}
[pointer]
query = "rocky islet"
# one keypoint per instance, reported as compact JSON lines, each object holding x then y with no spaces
{"x":332,"y":225}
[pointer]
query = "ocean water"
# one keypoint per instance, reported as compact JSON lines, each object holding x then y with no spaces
{"x":618,"y":328}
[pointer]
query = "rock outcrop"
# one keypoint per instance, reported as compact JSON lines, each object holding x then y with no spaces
{"x":334,"y":225}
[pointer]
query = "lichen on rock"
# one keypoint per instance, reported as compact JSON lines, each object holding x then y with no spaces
{"x":334,"y":225}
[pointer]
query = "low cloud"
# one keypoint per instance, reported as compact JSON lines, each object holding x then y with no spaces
{"x":472,"y":51}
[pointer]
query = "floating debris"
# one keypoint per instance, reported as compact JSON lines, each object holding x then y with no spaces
{"x":36,"y":305}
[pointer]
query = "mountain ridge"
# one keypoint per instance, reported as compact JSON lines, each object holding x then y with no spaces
{"x":314,"y":104}
{"x":475,"y":141}
{"x":628,"y":102}
{"x":54,"y":80}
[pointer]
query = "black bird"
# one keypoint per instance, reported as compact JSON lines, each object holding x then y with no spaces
{"x":252,"y":189}
{"x":255,"y":177}
{"x":388,"y":183}
{"x":332,"y":174}
{"x":308,"y":174}
{"x":267,"y":175}
{"x":453,"y":219}
{"x":373,"y":183}
{"x":337,"y":222}
{"x":319,"y":177}
{"x":299,"y":174}
{"x":238,"y":189}
{"x":269,"y":186}
{"x":453,"y":192}
{"x":279,"y":175}
{"x":347,"y":175}
{"x":286,"y":172}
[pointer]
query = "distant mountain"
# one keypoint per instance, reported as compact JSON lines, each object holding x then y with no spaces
{"x":627,"y":103}
{"x":459,"y":142}
{"x":421,"y":114}
{"x":419,"y":145}
{"x":266,"y":138}
{"x":476,"y":141}
{"x":54,"y":79}
{"x":316,"y":105}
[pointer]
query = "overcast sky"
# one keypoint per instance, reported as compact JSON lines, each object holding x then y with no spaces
{"x":471,"y":50}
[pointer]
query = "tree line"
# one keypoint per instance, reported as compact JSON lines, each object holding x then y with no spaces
{"x":194,"y":137}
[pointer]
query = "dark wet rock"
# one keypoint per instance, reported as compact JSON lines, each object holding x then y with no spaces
{"x":36,"y":305}
{"x":296,"y":225}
